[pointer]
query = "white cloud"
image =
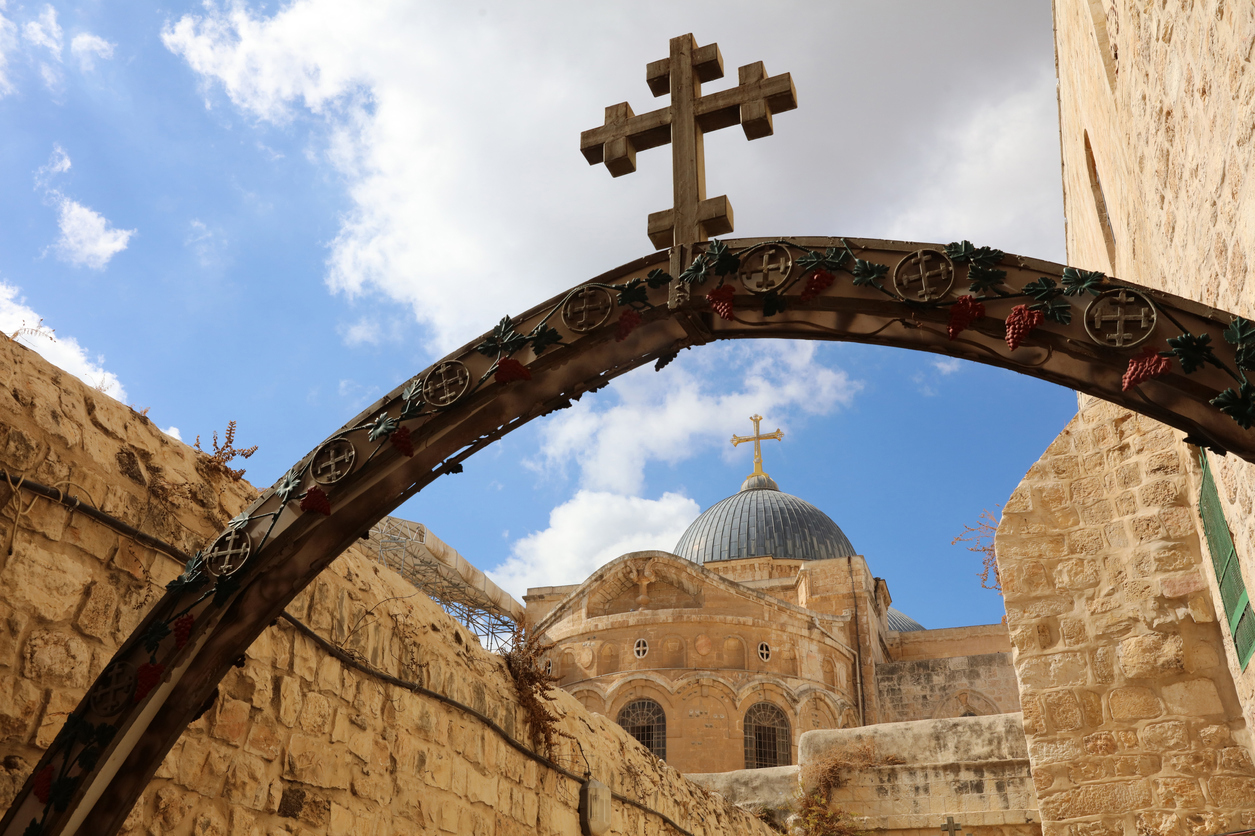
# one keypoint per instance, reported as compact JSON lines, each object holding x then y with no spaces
{"x":365,"y":331}
{"x":8,"y":41}
{"x":58,"y":163}
{"x":669,"y":417}
{"x":588,"y":531}
{"x":86,"y":239}
{"x":63,"y":352}
{"x":173,"y":432}
{"x":44,"y":31}
{"x":947,"y":365}
{"x":87,"y":47}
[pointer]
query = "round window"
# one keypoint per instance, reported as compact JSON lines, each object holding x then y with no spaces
{"x":641,"y":648}
{"x":764,"y":651}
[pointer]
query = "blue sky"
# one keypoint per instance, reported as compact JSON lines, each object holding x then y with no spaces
{"x":273,"y":213}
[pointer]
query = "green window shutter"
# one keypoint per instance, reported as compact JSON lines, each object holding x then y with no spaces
{"x":1224,"y":559}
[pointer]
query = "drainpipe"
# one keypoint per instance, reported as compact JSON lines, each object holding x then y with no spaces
{"x":858,"y":646}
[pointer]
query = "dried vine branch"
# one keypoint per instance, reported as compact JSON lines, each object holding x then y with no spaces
{"x":224,"y":455}
{"x":981,"y":540}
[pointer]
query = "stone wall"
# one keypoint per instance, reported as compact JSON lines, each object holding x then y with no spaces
{"x":947,"y":642}
{"x":297,"y":741}
{"x":1132,"y":719}
{"x":958,"y":686}
{"x":1164,"y":96}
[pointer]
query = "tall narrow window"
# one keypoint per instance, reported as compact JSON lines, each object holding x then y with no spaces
{"x":1224,"y":559}
{"x":768,"y":739}
{"x":1100,"y":205}
{"x":647,"y":722}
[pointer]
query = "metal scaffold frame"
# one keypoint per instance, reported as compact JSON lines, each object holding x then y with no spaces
{"x":401,"y":546}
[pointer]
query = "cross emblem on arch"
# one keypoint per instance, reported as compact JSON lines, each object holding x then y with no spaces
{"x":693,"y":217}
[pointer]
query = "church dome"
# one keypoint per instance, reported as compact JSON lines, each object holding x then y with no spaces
{"x":762,"y":520}
{"x":902,"y":622}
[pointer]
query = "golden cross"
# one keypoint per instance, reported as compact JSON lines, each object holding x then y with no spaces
{"x":693,"y":217}
{"x":757,"y":437}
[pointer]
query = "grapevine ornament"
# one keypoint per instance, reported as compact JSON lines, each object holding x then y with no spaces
{"x":1143,"y":367}
{"x":962,"y":314}
{"x":402,"y":442}
{"x":816,"y":283}
{"x":146,"y":678}
{"x":628,"y":321}
{"x":183,"y":630}
{"x":1020,"y":322}
{"x":510,"y":370}
{"x":721,"y":300}
{"x":316,"y":500}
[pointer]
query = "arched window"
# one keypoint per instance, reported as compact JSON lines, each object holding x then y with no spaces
{"x":646,"y":721}
{"x":768,"y":740}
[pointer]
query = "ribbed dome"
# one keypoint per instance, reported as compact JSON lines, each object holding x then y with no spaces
{"x":760,"y":521}
{"x":902,"y":622}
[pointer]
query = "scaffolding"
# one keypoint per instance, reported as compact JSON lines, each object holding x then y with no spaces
{"x":462,"y":590}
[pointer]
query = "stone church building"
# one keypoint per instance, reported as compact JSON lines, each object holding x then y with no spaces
{"x":761,"y":624}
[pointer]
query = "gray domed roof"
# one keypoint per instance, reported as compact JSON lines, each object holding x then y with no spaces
{"x":902,"y":622}
{"x":761,"y":520}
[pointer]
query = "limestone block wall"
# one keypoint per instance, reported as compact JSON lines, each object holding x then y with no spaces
{"x":924,"y":689}
{"x":975,"y":769}
{"x":1131,"y":715}
{"x":948,"y":642}
{"x":297,"y":741}
{"x":1163,"y":94}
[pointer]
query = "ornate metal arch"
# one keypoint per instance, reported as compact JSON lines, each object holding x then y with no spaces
{"x":1183,"y":363}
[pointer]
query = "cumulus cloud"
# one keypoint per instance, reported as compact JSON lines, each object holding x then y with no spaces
{"x":8,"y":41}
{"x":16,"y":318}
{"x":87,"y":239}
{"x":670,"y":417}
{"x":58,"y":163}
{"x":173,"y":432}
{"x":588,"y":531}
{"x":87,"y":47}
{"x":44,"y":31}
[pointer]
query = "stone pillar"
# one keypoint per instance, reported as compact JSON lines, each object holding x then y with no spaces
{"x":1130,"y":712}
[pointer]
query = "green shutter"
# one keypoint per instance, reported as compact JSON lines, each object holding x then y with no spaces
{"x":1224,"y":559}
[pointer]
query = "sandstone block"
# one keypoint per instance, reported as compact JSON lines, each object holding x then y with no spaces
{"x":1100,"y":743}
{"x":1134,"y":702}
{"x":328,"y":677}
{"x":1170,"y":735}
{"x":1055,"y":669}
{"x":1158,"y":823}
{"x":1236,"y":759}
{"x":1179,"y":792}
{"x":1152,"y":655}
{"x":1195,"y":698}
{"x":1063,"y":710}
{"x":1199,"y":762}
{"x":247,"y":783}
{"x":341,"y":822}
{"x":1053,"y":751}
{"x":57,"y":659}
{"x":1179,"y":522}
{"x":263,"y":739}
{"x":44,"y":584}
{"x":1232,"y":793}
{"x":12,"y":625}
{"x":96,"y":617}
{"x":209,"y":822}
{"x":304,"y":658}
{"x":289,"y":700}
{"x":231,"y":721}
{"x":311,"y":761}
{"x":1147,"y":527}
{"x":1159,"y":493}
{"x":1181,"y":586}
{"x":60,"y":704}
{"x":1077,"y":574}
{"x":1097,"y":799}
{"x":315,"y":715}
{"x":173,"y":805}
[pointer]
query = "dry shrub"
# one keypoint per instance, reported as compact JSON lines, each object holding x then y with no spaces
{"x":981,"y":538}
{"x":818,"y":819}
{"x":534,"y":684}
{"x":818,"y":816}
{"x":222,"y":456}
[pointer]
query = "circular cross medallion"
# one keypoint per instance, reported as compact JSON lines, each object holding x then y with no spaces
{"x":702,"y":644}
{"x":447,"y":382}
{"x":765,"y":268}
{"x":923,"y":276}
{"x":587,"y":308}
{"x":332,"y":461}
{"x":228,"y":553}
{"x":114,"y":689}
{"x":1120,"y":318}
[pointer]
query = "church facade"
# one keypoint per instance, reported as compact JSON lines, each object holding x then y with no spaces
{"x":762,"y":623}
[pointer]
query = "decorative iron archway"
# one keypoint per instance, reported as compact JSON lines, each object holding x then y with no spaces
{"x":1172,"y":359}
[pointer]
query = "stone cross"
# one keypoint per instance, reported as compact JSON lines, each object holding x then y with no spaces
{"x":951,"y":828}
{"x":757,"y":438}
{"x":693,"y":217}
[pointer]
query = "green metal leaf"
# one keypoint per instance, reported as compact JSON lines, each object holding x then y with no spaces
{"x":1043,"y":290}
{"x":984,"y":279}
{"x":225,"y":588}
{"x":1245,"y":356}
{"x":774,"y":303}
{"x":88,"y":757}
{"x":830,"y":260}
{"x":960,"y":251}
{"x":1054,"y":309}
{"x":105,"y":734}
{"x":1240,"y":331}
{"x":1239,"y":405}
{"x":697,"y":272}
{"x":503,"y":340}
{"x":544,"y":336}
{"x":658,"y":278}
{"x":1077,"y":281}
{"x":287,"y":486}
{"x":157,"y":631}
{"x":63,"y":792}
{"x":633,"y":293}
{"x":723,"y":260}
{"x":412,"y":391}
{"x":1193,"y":351}
{"x":868,"y":273}
{"x":383,"y":427}
{"x":33,"y":829}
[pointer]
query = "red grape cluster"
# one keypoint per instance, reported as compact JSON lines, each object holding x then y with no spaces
{"x":510,"y":370}
{"x":401,"y":440}
{"x":42,"y":786}
{"x":183,"y":630}
{"x":147,"y":677}
{"x":628,"y":320}
{"x":1020,"y":321}
{"x":1145,"y":366}
{"x":816,"y":283}
{"x":315,"y":499}
{"x":962,"y":314}
{"x":721,"y":300}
